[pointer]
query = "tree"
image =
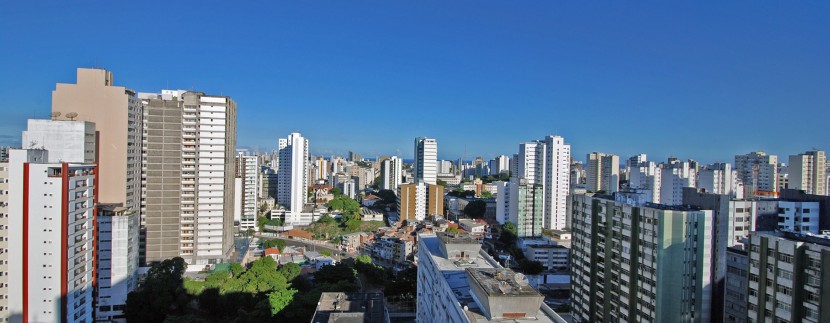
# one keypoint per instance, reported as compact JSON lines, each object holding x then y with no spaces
{"x":475,"y":209}
{"x":452,"y":230}
{"x":486,"y":195}
{"x":336,"y":192}
{"x":325,"y":252}
{"x":531,"y":267}
{"x":376,"y":183}
{"x":388,"y":196}
{"x":509,"y":233}
{"x":326,"y":219}
{"x":236,"y":269}
{"x":289,"y":271}
{"x":280,"y":299}
{"x":279,"y":243}
{"x":161,"y":295}
{"x":442,"y":183}
{"x":345,"y":204}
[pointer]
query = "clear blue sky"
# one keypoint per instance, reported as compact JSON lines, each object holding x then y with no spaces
{"x":694,"y":79}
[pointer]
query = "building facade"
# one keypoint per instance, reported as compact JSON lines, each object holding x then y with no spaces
{"x":391,"y":173}
{"x":758,"y":172}
{"x":603,"y":172}
{"x":626,"y":262}
{"x":247,"y":169}
{"x":51,"y":233}
{"x":66,"y":141}
{"x":808,"y":172}
{"x":293,"y":177}
{"x":417,"y":201}
{"x":425,"y":161}
{"x":189,"y":149}
{"x":118,"y":240}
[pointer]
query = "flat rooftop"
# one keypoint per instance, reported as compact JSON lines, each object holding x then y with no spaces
{"x":455,"y":274}
{"x":500,"y":282}
{"x":821,"y":240}
{"x":350,"y":308}
{"x":459,"y":238}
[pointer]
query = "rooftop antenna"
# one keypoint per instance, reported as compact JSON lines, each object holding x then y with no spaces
{"x":72,"y":116}
{"x":55,"y":115}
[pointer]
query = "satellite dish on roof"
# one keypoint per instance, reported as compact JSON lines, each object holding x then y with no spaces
{"x":504,"y":287}
{"x":55,"y":115}
{"x":72,"y":116}
{"x":521,"y":280}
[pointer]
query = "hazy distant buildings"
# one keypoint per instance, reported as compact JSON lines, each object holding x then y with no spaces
{"x":425,"y":162}
{"x":603,"y":172}
{"x":758,"y":172}
{"x":189,"y":150}
{"x":293,"y":180}
{"x":391,"y":172}
{"x":807,"y":172}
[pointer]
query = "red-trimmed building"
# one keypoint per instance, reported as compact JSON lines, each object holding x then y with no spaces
{"x":52,"y":238}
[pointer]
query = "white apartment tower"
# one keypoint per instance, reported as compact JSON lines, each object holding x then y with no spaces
{"x":531,"y":162}
{"x":292,"y":172}
{"x":500,"y":164}
{"x":526,"y":207}
{"x":189,"y":149}
{"x":603,"y":172}
{"x":675,"y":176}
{"x":51,"y":233}
{"x":808,"y":172}
{"x":391,"y":172}
{"x":425,"y":166}
{"x":719,"y":178}
{"x":247,"y":169}
{"x":757,"y":171}
{"x":4,"y":236}
{"x":645,"y":177}
{"x":118,"y":235}
{"x":557,"y":182}
{"x":321,"y":169}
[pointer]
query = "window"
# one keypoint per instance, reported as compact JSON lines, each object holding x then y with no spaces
{"x":785,"y":258}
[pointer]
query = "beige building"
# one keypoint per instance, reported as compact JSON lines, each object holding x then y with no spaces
{"x":808,"y":172}
{"x":117,"y":114}
{"x":417,"y":201}
{"x":189,"y":147}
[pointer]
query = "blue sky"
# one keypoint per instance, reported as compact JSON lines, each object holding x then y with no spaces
{"x":693,"y":79}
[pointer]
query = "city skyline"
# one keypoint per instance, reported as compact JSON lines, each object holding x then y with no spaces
{"x":552,"y":69}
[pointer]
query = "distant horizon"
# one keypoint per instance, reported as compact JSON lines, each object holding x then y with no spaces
{"x":702,"y":81}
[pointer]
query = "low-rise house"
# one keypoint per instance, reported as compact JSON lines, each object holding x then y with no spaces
{"x":272,"y":252}
{"x":353,"y":241}
{"x":370,"y":215}
{"x":370,"y":200}
{"x":472,"y":226}
{"x":553,"y":257}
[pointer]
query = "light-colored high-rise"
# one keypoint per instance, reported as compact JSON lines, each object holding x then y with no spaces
{"x":4,"y":236}
{"x":640,"y":264}
{"x":66,"y":141}
{"x":788,"y":278}
{"x":719,"y":178}
{"x":118,"y":239}
{"x":117,"y":114}
{"x":603,"y":173}
{"x":645,"y":178}
{"x":51,"y":235}
{"x":292,"y":173}
{"x":321,"y":169}
{"x":416,"y":201}
{"x":808,"y":172}
{"x":391,"y":172}
{"x":526,"y":207}
{"x":557,"y":182}
{"x":758,"y":172}
{"x":189,"y":150}
{"x":675,"y":176}
{"x":531,"y":162}
{"x":425,"y":161}
{"x":247,"y":169}
{"x":499,"y":165}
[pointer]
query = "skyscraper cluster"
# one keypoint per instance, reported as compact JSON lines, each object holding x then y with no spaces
{"x":112,"y":179}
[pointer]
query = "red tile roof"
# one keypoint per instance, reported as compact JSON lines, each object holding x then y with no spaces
{"x":272,"y":251}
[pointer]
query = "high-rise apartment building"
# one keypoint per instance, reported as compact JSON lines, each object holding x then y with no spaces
{"x":531,"y":162}
{"x":499,"y":165}
{"x":391,"y":173}
{"x":425,"y":161}
{"x":247,"y":169}
{"x":719,"y":178}
{"x":644,"y":178}
{"x":758,"y":172}
{"x":66,"y":141}
{"x":117,"y":114}
{"x":4,"y":236}
{"x":640,"y":264}
{"x":321,"y":169}
{"x":189,"y":148}
{"x":118,"y":240}
{"x":675,"y":176}
{"x":458,"y":282}
{"x":807,"y":172}
{"x":557,"y":182}
{"x":788,"y":278}
{"x":292,"y":174}
{"x":526,"y":207}
{"x":416,"y":201}
{"x":51,"y":234}
{"x":736,"y":285}
{"x":603,"y":172}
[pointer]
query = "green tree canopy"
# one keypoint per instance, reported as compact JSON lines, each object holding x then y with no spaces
{"x":486,"y":195}
{"x":475,"y":209}
{"x":531,"y":267}
{"x":345,"y":204}
{"x":388,"y":196}
{"x":162,"y":293}
{"x":289,"y":271}
{"x":509,"y":233}
{"x":271,"y":243}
